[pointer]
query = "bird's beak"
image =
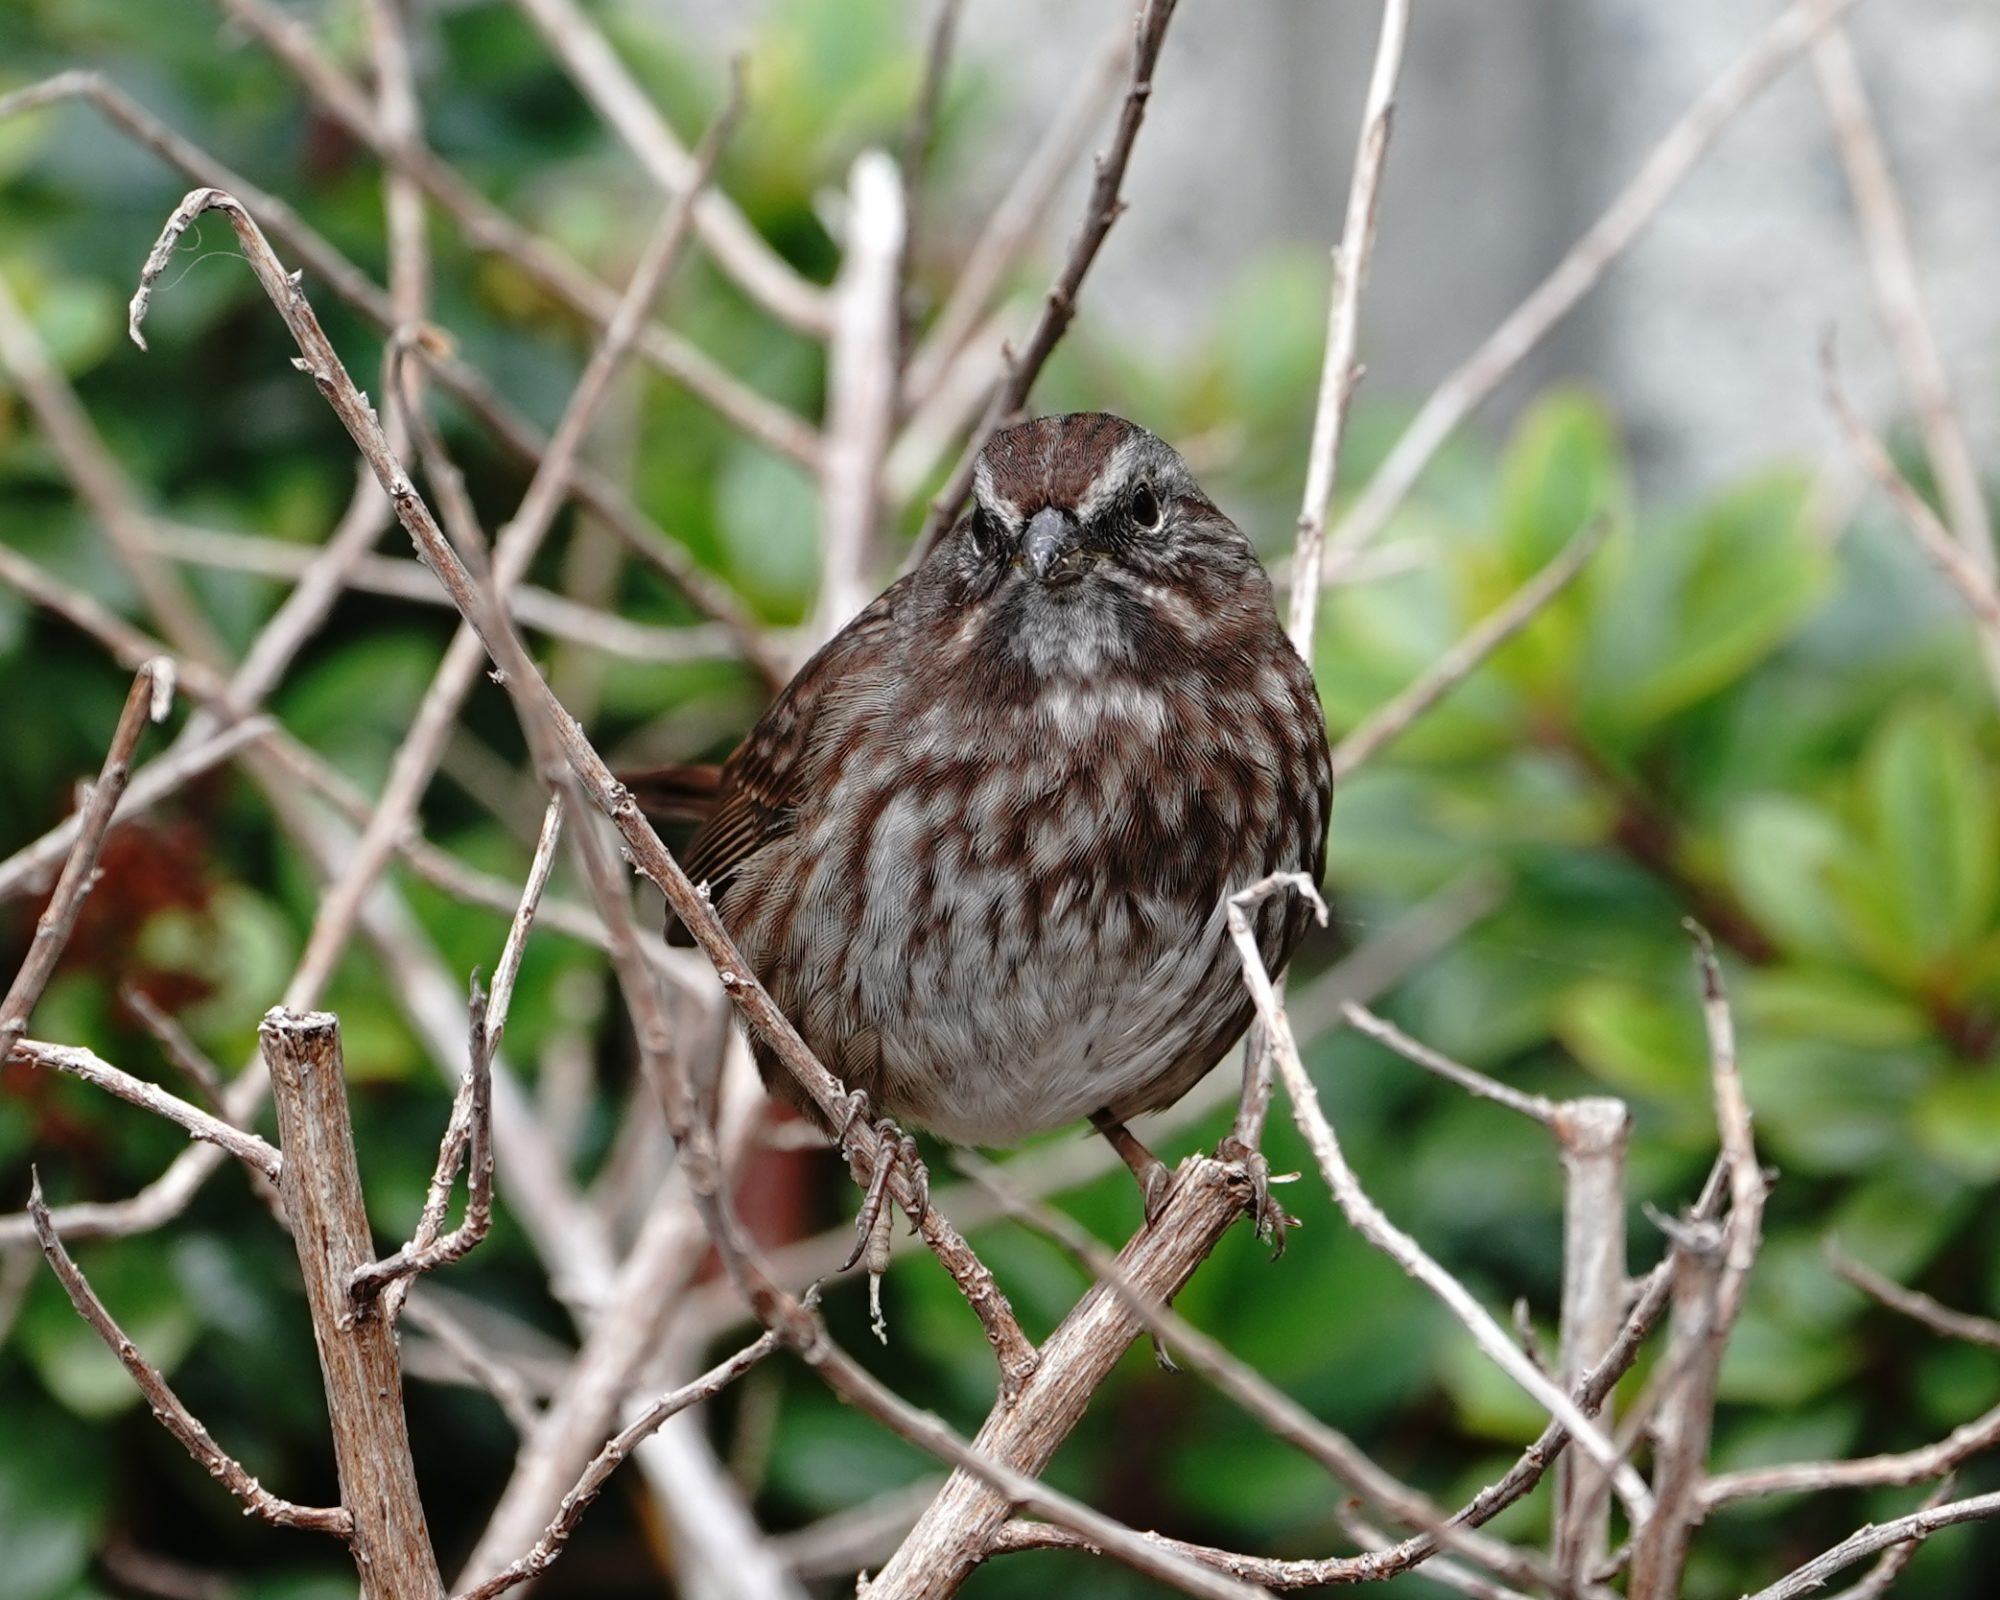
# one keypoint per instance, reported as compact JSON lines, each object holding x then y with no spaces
{"x":1049,"y":543}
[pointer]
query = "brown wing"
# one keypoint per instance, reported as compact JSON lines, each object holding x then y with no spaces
{"x":675,"y":795}
{"x":756,"y":798}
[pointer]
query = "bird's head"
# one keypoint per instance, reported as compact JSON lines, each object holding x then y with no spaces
{"x":1084,"y":531}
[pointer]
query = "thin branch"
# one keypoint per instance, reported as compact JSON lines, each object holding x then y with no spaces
{"x":488,"y":227}
{"x":1536,"y":1107}
{"x":82,"y":1064}
{"x":172,"y":1038}
{"x":1014,"y":220}
{"x":739,"y":250}
{"x":592,"y":487}
{"x":1277,"y":1413}
{"x":547,"y":612}
{"x":649,"y":1421}
{"x":1592,"y":1133}
{"x":1866,"y":1541}
{"x":1881,"y":1577}
{"x":1100,"y":212}
{"x":1900,"y":1470}
{"x":1469,"y":653}
{"x":1747,"y":1186}
{"x":487,"y":1370}
{"x":1368,"y":1219}
{"x":1899,"y":299}
{"x":1932,"y":536}
{"x":98,"y":479}
{"x":861,"y":391}
{"x":173,"y":1416}
{"x":149,"y":699}
{"x":1663,"y":172}
{"x":524,"y":918}
{"x":915,"y":155}
{"x":1340,"y":371}
{"x":1917,"y":1306}
{"x":469,"y":1136}
{"x":1685,"y":1412}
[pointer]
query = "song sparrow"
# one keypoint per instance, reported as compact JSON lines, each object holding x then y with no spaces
{"x":979,"y":849}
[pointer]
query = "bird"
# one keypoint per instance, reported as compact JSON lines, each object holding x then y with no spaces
{"x":980,"y":849}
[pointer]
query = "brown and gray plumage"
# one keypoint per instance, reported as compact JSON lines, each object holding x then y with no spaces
{"x":979,"y":849}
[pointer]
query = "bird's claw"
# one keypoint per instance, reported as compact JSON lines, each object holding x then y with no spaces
{"x":1269,"y":1220}
{"x":893,"y":1148}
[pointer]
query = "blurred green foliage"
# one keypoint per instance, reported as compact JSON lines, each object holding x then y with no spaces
{"x":1741,"y":711}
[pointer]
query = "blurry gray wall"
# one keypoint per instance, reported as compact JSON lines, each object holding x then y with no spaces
{"x":1518,"y":120}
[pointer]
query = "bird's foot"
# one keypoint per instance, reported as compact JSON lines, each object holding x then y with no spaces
{"x":1269,"y":1219}
{"x":1156,"y":1179}
{"x":893,"y":1148}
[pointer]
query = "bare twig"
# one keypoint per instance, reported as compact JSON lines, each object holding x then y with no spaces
{"x":737,"y":247}
{"x":592,"y":487}
{"x":1732,"y":1114}
{"x":486,"y":226}
{"x":172,"y":1038}
{"x":1013,"y":221}
{"x":1664,"y":170}
{"x":915,"y":155}
{"x":1100,"y":212}
{"x":524,"y":918}
{"x":1536,"y":1107}
{"x":174,"y":1417}
{"x":1340,"y":371}
{"x":1469,"y":653}
{"x":1866,"y":1541}
{"x":149,"y":698}
{"x":468,"y":1136}
{"x":151,"y":784}
{"x":1900,"y":1470}
{"x":357,"y":1347}
{"x":99,"y":480}
{"x":1899,"y":298}
{"x":1685,"y":1412}
{"x":79,"y":1063}
{"x":1368,"y":1219}
{"x":1915,"y":1305}
{"x":1591,"y":1133}
{"x":497,"y":1376}
{"x":1278,"y":1413}
{"x":861,"y":390}
{"x":557,"y":615}
{"x":1881,"y":1577}
{"x":1935,"y":539}
{"x":539,"y":1559}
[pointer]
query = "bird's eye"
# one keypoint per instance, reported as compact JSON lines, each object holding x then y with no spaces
{"x":1144,"y":506}
{"x":979,"y":535}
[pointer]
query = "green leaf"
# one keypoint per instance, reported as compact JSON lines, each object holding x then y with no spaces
{"x":1695,"y":608}
{"x":1562,"y":467}
{"x":1840,"y":1006}
{"x":1930,"y":801}
{"x":1777,"y":848}
{"x":54,"y":1483}
{"x":1636,"y":1041}
{"x":136,"y":1282}
{"x":1957,"y":1120}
